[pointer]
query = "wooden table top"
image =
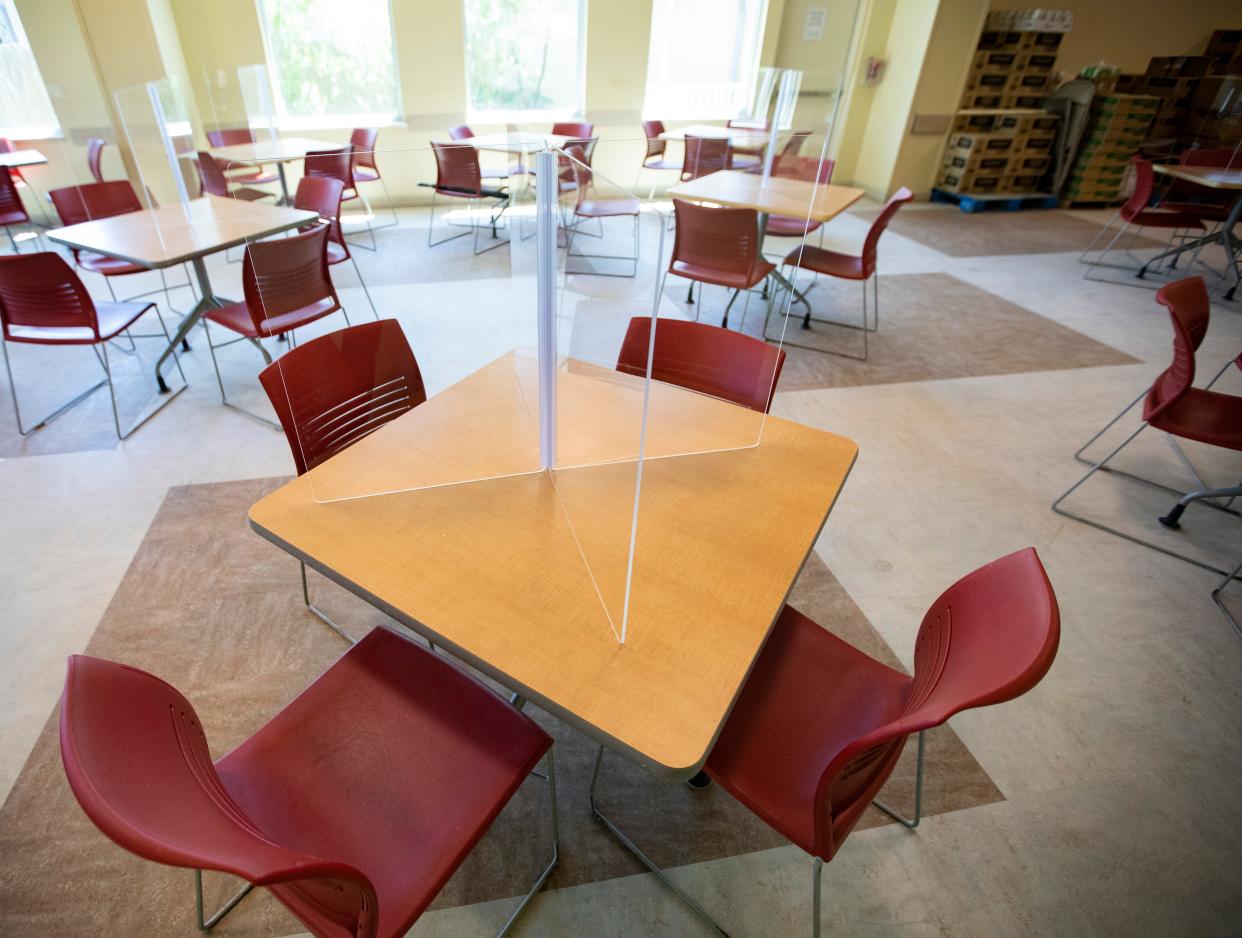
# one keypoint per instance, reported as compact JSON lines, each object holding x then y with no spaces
{"x":23,"y":157}
{"x":1214,"y":177}
{"x":165,"y":236}
{"x":494,"y":571}
{"x":745,"y":135}
{"x":775,"y":195}
{"x":518,"y":141}
{"x":280,"y":150}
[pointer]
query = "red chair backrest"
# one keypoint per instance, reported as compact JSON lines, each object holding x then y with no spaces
{"x":704,"y":155}
{"x":725,"y":239}
{"x":1190,"y":311}
{"x":230,"y":136}
{"x":703,"y":358}
{"x":138,"y":763}
{"x":322,"y":194}
{"x":362,"y":146}
{"x":871,"y":242}
{"x":655,"y":146}
{"x":286,"y":281}
{"x":573,"y":128}
{"x":567,"y":169}
{"x":1144,"y":185}
{"x":211,"y":176}
{"x":461,"y":132}
{"x":457,"y":168}
{"x":806,"y":168}
{"x":42,"y":290}
{"x":10,"y":198}
{"x":76,"y":204}
{"x":1211,"y":156}
{"x":335,"y":164}
{"x":990,"y":637}
{"x":94,"y":157}
{"x":331,"y":392}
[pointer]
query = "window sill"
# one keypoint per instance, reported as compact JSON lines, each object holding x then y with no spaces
{"x":337,"y":122}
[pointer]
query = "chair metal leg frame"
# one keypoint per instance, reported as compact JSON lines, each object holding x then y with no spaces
{"x":209,"y":924}
{"x":1216,"y":598}
{"x":556,"y":843}
{"x":319,"y":612}
{"x":1173,"y":518}
{"x":784,"y":283}
{"x":473,"y":226}
{"x":694,"y":907}
{"x":224,"y":399}
{"x":391,"y":207}
{"x":1056,"y":506}
{"x":43,"y":421}
{"x":913,"y":822}
{"x":362,"y":281}
{"x":366,"y":204}
{"x":569,"y":252}
{"x":817,"y":872}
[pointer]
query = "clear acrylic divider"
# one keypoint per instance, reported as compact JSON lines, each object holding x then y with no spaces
{"x":155,"y":121}
{"x":470,"y":422}
{"x":240,"y":105}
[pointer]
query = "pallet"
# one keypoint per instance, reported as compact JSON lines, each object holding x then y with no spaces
{"x":1005,"y":202}
{"x":1090,"y":203}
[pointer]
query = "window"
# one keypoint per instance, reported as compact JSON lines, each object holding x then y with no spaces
{"x":524,"y":59}
{"x":332,"y":62}
{"x":703,"y":59}
{"x":26,"y":112}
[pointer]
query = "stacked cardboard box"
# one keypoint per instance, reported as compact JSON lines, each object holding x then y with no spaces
{"x":1224,"y":48}
{"x":1011,"y":69}
{"x":1173,"y":80}
{"x":1215,"y":116}
{"x":1118,"y":125}
{"x":997,"y":152}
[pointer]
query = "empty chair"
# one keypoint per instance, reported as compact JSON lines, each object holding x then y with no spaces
{"x":1172,"y":404}
{"x":19,"y":180}
{"x":337,"y":163}
{"x":94,"y":157}
{"x":43,"y":302}
{"x":322,"y":194}
{"x":656,"y":148}
{"x":705,"y":155}
{"x":808,"y":169}
{"x":215,"y":181}
{"x":463,"y":132}
{"x":365,"y":168}
{"x":573,"y":129}
{"x":719,"y":246}
{"x":1136,"y":213}
{"x":860,"y":267}
{"x":751,"y":151}
{"x":819,"y":726}
{"x":255,"y":174}
{"x":337,"y":389}
{"x":458,"y":177}
{"x":590,"y":204}
{"x":12,"y":211}
{"x":728,"y":365}
{"x":286,"y":285}
{"x":353,"y":805}
{"x":1207,"y":205}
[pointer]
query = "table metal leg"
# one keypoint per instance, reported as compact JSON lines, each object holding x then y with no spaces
{"x":284,"y":184}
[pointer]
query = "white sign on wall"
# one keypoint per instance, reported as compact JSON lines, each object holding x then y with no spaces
{"x":813,"y":28}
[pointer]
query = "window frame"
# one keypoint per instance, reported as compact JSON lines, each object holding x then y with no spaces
{"x":54,"y":131}
{"x":283,"y":120}
{"x":530,"y":115}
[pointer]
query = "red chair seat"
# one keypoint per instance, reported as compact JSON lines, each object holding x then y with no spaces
{"x":258,"y":177}
{"x":742,"y":161}
{"x":13,"y":218}
{"x":786,"y":226}
{"x":663,"y":164}
{"x":114,"y":318}
{"x":236,"y":316}
{"x":384,"y":763}
{"x":1205,"y":211}
{"x":336,"y":253}
{"x":608,"y":208}
{"x":108,"y":266}
{"x":810,"y":692}
{"x":1158,"y":219}
{"x":832,"y":263}
{"x":1205,"y":416}
{"x":735,"y":281}
{"x":247,"y":194}
{"x":362,"y":174}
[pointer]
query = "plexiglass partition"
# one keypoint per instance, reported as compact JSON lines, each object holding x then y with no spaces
{"x":155,"y":121}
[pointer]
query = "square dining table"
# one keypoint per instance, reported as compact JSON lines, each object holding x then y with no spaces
{"x":176,"y":234}
{"x":1221,"y":179}
{"x":522,"y":573}
{"x":280,"y":151}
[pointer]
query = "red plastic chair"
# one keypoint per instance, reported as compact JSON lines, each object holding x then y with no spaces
{"x":656,"y":148}
{"x":336,"y":163}
{"x":750,"y":154}
{"x":94,"y":157}
{"x":860,"y":267}
{"x":807,"y":169}
{"x":1173,"y":405}
{"x":1205,"y":204}
{"x":353,"y":805}
{"x":704,"y":156}
{"x":719,"y":246}
{"x":255,"y":174}
{"x":215,"y":181}
{"x":819,"y":726}
{"x":286,"y":285}
{"x":461,"y":132}
{"x":573,"y":129}
{"x":12,"y":211}
{"x":589,"y":204}
{"x":728,"y":365}
{"x":322,"y":194}
{"x":365,"y":169}
{"x":458,"y":176}
{"x":43,"y":302}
